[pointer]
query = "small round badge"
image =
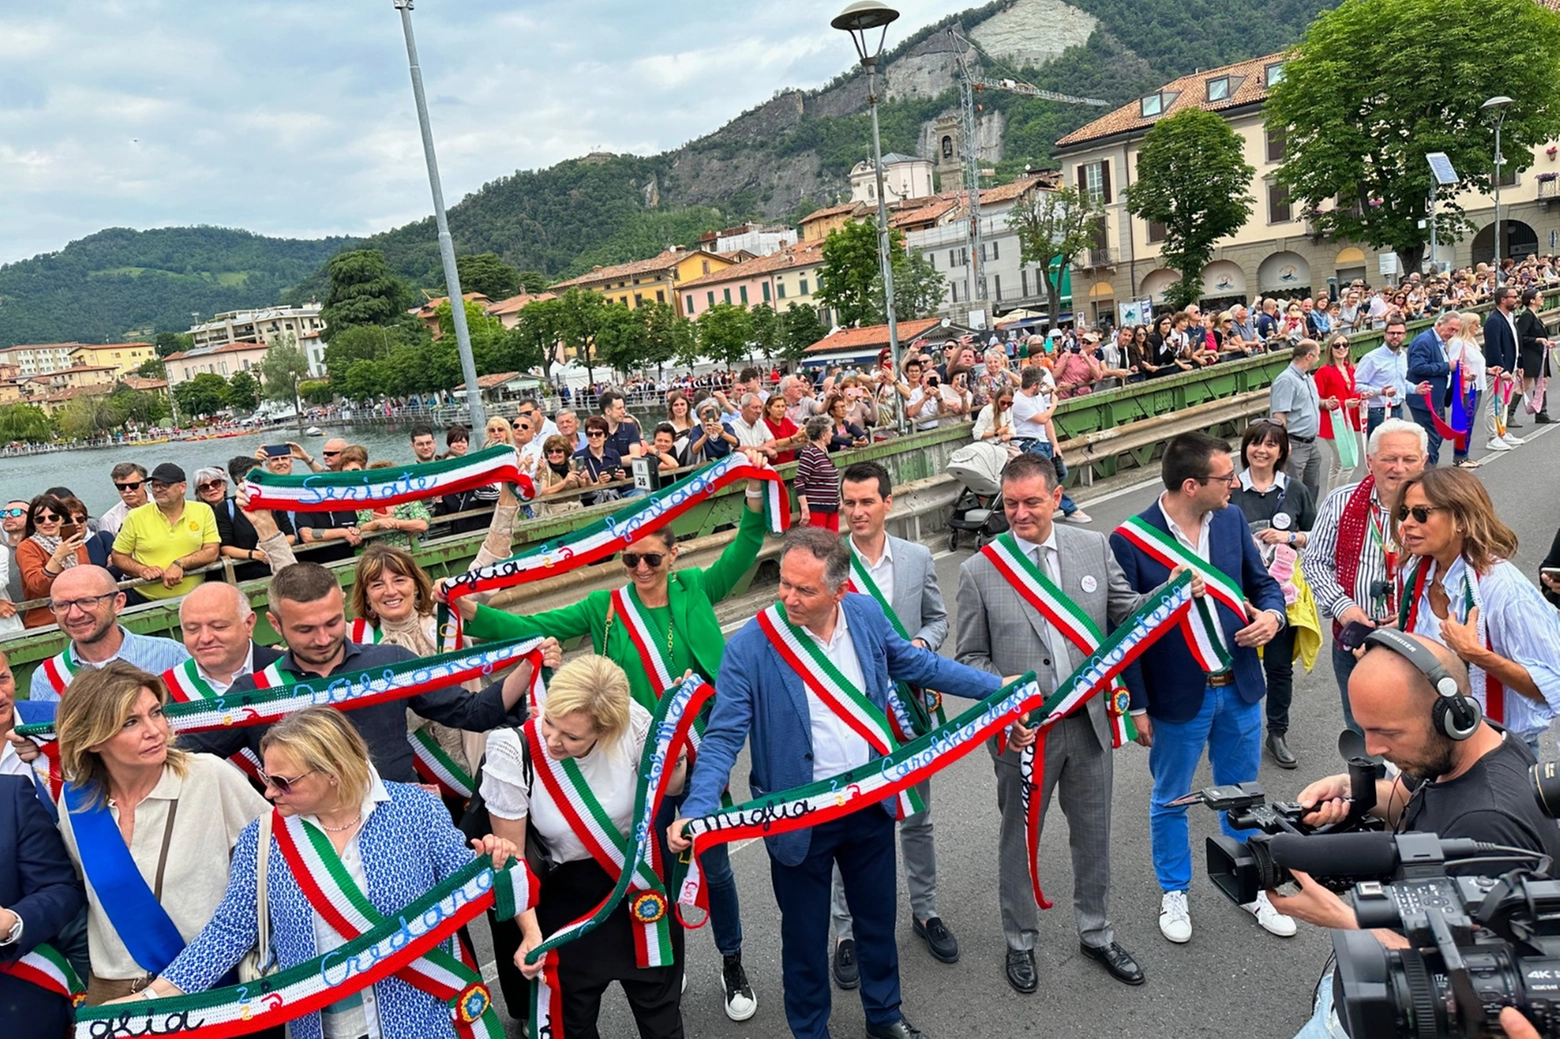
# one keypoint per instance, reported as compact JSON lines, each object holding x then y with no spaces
{"x":1282,"y":521}
{"x":1089,"y":583}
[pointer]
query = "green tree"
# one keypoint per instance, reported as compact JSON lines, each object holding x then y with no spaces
{"x":88,"y":417}
{"x":201,"y":396}
{"x":243,"y":392}
{"x":534,"y":281}
{"x":1053,"y":227}
{"x":24,"y":422}
{"x":364,"y":381}
{"x":487,"y":274}
{"x":533,"y":342}
{"x":153,"y":369}
{"x":145,"y":409}
{"x":1357,"y":128}
{"x":918,"y":289}
{"x":801,"y":330}
{"x":850,"y":267}
{"x":666,"y":335}
{"x":620,"y":339}
{"x":315,"y":391}
{"x":363,"y":291}
{"x":580,"y":318}
{"x":369,"y":343}
{"x":765,"y":329}
{"x":166,"y":343}
{"x":1192,"y":179}
{"x":726,"y":334}
{"x":488,"y":338}
{"x":284,"y":367}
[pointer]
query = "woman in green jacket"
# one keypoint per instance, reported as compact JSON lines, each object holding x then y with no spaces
{"x":657,"y":627}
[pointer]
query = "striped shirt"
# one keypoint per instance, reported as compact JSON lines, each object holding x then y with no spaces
{"x":1321,"y":560}
{"x":147,"y":652}
{"x":817,"y":479}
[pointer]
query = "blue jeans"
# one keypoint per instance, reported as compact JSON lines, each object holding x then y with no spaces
{"x":715,"y":861}
{"x":1343,"y":666}
{"x":1231,"y":729}
{"x":1044,"y":449}
{"x":1376,"y":416}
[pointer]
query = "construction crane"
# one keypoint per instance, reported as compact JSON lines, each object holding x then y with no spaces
{"x":969,"y":83}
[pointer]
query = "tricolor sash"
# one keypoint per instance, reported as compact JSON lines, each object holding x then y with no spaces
{"x":1408,"y":616}
{"x":653,"y":657}
{"x":436,"y":765}
{"x":392,"y":944}
{"x":142,"y":924}
{"x":58,"y":670}
{"x":337,"y":899}
{"x":49,"y":970}
{"x":46,"y":775}
{"x":186,"y":685}
{"x":883,"y":731}
{"x":572,"y":795}
{"x":1201,"y":628}
{"x":383,"y":488}
{"x":362,"y":632}
{"x":925,"y":705}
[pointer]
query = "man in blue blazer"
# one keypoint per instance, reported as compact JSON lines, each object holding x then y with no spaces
{"x":1501,"y":353}
{"x":1179,"y":707}
{"x":797,"y":739}
{"x":39,"y":895}
{"x":1429,"y":369}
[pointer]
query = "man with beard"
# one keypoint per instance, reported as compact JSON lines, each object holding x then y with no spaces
{"x":1475,"y":788}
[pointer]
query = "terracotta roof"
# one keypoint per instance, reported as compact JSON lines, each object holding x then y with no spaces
{"x":136,"y":382}
{"x":804,"y":254}
{"x":871,"y":336}
{"x":488,"y":382}
{"x":832,"y":211}
{"x":665,"y":261}
{"x":428,"y":308}
{"x":1248,"y":85}
{"x":927,"y":214}
{"x":513,"y":304}
{"x":111,"y":346}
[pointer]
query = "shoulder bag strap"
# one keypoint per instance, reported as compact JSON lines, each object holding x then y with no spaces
{"x":262,"y":902}
{"x":162,"y":854}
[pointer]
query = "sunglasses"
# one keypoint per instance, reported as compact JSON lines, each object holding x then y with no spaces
{"x":12,"y":513}
{"x":1421,"y":513}
{"x":209,"y":484}
{"x":652,"y":559}
{"x":523,"y":425}
{"x":47,"y":517}
{"x":330,"y":454}
{"x":282,"y":784}
{"x":557,"y":451}
{"x":595,"y":433}
{"x":136,"y":486}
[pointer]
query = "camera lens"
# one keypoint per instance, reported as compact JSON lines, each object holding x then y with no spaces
{"x":1546,"y":787}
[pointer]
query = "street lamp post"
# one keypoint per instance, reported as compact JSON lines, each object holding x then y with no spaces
{"x":468,"y":364}
{"x":859,"y":19}
{"x":1498,"y":106}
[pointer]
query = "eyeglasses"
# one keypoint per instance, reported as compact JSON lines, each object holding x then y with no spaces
{"x":282,"y":784}
{"x":1229,"y":479}
{"x":122,"y":487}
{"x":88,"y":603}
{"x":46,"y":517}
{"x":652,"y":559}
{"x":1421,"y":513}
{"x":12,"y":513}
{"x":209,"y":484}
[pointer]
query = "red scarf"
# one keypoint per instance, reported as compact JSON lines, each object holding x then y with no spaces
{"x":1353,"y":526}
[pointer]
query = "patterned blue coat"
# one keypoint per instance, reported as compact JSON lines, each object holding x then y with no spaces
{"x":408,"y":846}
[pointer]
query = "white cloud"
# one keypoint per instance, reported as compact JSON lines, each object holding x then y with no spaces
{"x":295,"y":117}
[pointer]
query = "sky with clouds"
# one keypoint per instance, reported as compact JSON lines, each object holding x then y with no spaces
{"x":295,"y":117}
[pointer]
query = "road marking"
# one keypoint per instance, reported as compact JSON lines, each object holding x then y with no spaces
{"x":1491,"y":457}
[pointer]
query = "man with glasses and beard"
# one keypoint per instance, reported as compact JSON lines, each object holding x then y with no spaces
{"x":166,"y":538}
{"x":130,"y":482}
{"x":86,"y":601}
{"x":13,"y":531}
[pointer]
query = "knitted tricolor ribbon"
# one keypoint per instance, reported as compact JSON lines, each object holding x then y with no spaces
{"x":390,"y":945}
{"x":50,"y":970}
{"x":381,"y":488}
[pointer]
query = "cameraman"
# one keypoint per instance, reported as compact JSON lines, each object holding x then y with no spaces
{"x":1477,"y":788}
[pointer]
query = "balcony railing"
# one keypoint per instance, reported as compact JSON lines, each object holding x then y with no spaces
{"x":1093,"y":259}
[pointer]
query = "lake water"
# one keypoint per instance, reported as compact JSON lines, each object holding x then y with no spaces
{"x":86,"y":472}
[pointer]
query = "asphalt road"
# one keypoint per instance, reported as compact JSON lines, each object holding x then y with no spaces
{"x":1232,"y":980}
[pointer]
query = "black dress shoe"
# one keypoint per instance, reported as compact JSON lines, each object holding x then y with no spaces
{"x":1117,"y":960}
{"x":940,"y":941}
{"x":846,"y":974}
{"x":1542,"y":419}
{"x":900,"y":1029}
{"x":1282,"y":755}
{"x":1021,"y":970}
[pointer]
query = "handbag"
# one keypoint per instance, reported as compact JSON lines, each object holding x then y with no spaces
{"x":259,"y":962}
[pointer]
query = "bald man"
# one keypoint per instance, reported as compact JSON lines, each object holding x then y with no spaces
{"x":218,"y":626}
{"x":86,"y":602}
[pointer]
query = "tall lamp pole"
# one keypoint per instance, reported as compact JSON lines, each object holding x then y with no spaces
{"x":1498,"y":106}
{"x":468,"y":363}
{"x":859,"y":19}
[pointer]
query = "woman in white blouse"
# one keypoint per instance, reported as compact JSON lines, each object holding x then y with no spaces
{"x":589,"y":718}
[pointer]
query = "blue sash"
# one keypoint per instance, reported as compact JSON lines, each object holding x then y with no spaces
{"x":140,"y":921}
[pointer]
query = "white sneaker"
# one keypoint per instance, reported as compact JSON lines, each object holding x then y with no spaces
{"x":1175,"y":920}
{"x":1078,"y":516}
{"x":1513,"y":439}
{"x":1497,"y":444}
{"x":1271,"y":920}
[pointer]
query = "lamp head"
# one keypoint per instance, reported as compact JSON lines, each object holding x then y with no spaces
{"x":1496,"y":104}
{"x":861,"y":18}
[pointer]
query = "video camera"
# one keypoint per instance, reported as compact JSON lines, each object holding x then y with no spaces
{"x":1477,"y":943}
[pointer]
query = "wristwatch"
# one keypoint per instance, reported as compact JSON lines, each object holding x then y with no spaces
{"x":16,"y":930}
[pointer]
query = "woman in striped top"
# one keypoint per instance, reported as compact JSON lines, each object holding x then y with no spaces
{"x":817,"y":480}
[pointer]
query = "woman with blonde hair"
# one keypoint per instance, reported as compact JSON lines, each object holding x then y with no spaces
{"x":589,"y":720}
{"x":150,"y":827}
{"x":1462,"y":590}
{"x":1464,"y":349}
{"x":392,"y":841}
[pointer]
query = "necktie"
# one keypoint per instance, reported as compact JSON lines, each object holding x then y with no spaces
{"x":1045,"y":558}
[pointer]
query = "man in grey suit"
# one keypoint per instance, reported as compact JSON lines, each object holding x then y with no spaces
{"x":900,"y":574}
{"x":1002,"y":633}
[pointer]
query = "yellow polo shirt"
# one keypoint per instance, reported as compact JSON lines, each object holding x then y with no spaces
{"x":149,"y":539}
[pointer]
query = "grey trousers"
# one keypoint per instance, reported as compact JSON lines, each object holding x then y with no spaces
{"x":915,"y":840}
{"x":1305,"y":465}
{"x":1074,"y":758}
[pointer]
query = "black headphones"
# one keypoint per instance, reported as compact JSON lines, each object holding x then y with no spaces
{"x":1454,"y":716}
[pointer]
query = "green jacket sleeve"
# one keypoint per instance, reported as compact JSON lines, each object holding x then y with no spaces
{"x":564,"y":623}
{"x":738,"y":558}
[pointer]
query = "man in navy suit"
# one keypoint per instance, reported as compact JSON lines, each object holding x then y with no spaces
{"x":1178,"y":705}
{"x":1429,"y":369}
{"x":797,"y":739}
{"x":1500,"y":353}
{"x":39,"y":895}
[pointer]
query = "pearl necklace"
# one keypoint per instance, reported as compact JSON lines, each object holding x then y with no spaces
{"x":342,"y":829}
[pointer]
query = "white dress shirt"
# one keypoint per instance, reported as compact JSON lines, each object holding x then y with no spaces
{"x":836,"y":746}
{"x":882,"y":571}
{"x":1044,"y":556}
{"x":357,"y":1014}
{"x":220,"y":687}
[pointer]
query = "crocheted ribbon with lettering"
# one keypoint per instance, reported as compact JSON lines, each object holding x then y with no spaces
{"x":867,"y":786}
{"x":281,"y":693}
{"x":383,"y":945}
{"x":50,"y":970}
{"x":185,"y":685}
{"x":381,"y":488}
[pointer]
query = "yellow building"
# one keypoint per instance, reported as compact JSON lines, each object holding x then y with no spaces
{"x":655,"y":280}
{"x":815,"y":226}
{"x":779,"y":279}
{"x":123,"y":358}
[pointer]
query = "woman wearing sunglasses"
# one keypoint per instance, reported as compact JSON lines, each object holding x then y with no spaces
{"x":390,"y":841}
{"x":150,"y":827}
{"x":1461,"y":589}
{"x":1334,"y":379}
{"x":659,"y":626}
{"x":47,"y":550}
